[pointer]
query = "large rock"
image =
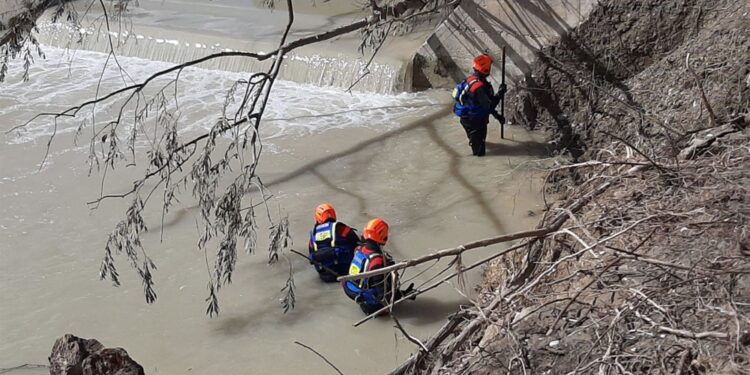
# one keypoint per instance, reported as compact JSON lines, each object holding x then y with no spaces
{"x":72,"y":355}
{"x":69,"y":352}
{"x":111,"y":361}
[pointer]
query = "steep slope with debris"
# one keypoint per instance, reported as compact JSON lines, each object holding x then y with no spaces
{"x":649,"y":104}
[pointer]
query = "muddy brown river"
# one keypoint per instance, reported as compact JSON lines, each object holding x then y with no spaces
{"x":400,"y":157}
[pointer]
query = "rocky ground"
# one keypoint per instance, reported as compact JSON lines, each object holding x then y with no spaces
{"x":646,"y":270}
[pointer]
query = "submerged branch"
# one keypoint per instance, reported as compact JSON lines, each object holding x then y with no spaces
{"x":321,"y":356}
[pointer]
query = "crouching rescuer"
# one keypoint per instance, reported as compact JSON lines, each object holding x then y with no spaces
{"x":331,"y":245}
{"x":474,"y":102}
{"x":372,"y":293}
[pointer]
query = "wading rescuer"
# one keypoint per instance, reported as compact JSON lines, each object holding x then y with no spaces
{"x":475,"y":101}
{"x":331,"y":245}
{"x":372,"y":293}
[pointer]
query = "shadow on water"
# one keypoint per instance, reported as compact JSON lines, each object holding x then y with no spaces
{"x":311,"y":167}
{"x":374,"y":142}
{"x":176,"y":216}
{"x":518,"y":148}
{"x":427,"y":124}
{"x":425,"y":310}
{"x":238,"y":324}
{"x":458,"y":175}
{"x":361,"y":201}
{"x":264,"y":314}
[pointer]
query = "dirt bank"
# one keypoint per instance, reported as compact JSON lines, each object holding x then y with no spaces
{"x":646,"y":269}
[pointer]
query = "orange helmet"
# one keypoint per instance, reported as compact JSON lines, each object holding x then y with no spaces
{"x":376,"y":230}
{"x":483,"y":64}
{"x":324,"y":212}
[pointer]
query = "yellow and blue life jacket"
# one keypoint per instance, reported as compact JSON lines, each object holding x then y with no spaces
{"x":360,"y":290}
{"x":326,"y":251}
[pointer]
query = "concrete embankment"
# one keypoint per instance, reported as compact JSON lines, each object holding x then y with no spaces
{"x":475,"y":27}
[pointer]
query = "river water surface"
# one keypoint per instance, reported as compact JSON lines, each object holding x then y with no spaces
{"x":401,"y":157}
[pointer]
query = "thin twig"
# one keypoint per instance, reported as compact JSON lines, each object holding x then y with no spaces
{"x":321,"y":356}
{"x":408,"y":336}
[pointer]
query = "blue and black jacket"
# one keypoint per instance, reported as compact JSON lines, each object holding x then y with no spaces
{"x":474,"y":99}
{"x":332,"y":245}
{"x":370,"y":291}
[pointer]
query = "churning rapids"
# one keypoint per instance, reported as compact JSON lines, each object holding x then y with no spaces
{"x":401,"y":157}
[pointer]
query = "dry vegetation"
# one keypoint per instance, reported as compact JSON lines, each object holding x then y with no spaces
{"x":650,"y":99}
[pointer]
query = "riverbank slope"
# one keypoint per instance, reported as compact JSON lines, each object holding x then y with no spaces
{"x":645,"y":269}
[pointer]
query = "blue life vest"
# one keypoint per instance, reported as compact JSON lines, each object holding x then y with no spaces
{"x":325,"y":249}
{"x":463,"y":96}
{"x":360,"y":290}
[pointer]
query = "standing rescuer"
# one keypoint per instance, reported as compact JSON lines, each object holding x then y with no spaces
{"x":374,"y":292}
{"x":331,"y":244}
{"x":475,"y":101}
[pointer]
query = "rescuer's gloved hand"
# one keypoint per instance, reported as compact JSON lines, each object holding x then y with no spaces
{"x":498,"y":116}
{"x":408,"y":290}
{"x":502,"y":90}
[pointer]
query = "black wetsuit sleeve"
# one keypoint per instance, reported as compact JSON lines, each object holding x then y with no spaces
{"x":378,"y":282}
{"x":495,"y":97}
{"x":347,"y":235}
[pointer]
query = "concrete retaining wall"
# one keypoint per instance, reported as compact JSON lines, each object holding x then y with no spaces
{"x":477,"y":26}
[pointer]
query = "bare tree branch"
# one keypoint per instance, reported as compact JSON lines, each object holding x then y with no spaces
{"x":321,"y":357}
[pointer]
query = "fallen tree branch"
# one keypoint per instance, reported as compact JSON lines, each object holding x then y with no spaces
{"x":682,"y":332}
{"x":654,"y":163}
{"x":535,"y":233}
{"x":437,"y":339}
{"x":705,"y":139}
{"x":438,"y":283}
{"x":320,"y":355}
{"x":510,"y":294}
{"x":578,"y":294}
{"x":409,"y":336}
{"x":449,"y":252}
{"x":711,"y":114}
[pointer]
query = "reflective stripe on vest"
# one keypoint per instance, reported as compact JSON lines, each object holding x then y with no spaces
{"x":361,"y":263}
{"x":325,"y":234}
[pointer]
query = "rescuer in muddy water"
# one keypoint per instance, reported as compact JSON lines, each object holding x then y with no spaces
{"x":372,"y":293}
{"x":475,"y":101}
{"x":331,"y":245}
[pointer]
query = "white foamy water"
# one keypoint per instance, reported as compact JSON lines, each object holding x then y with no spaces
{"x":316,"y":67}
{"x":67,"y":78}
